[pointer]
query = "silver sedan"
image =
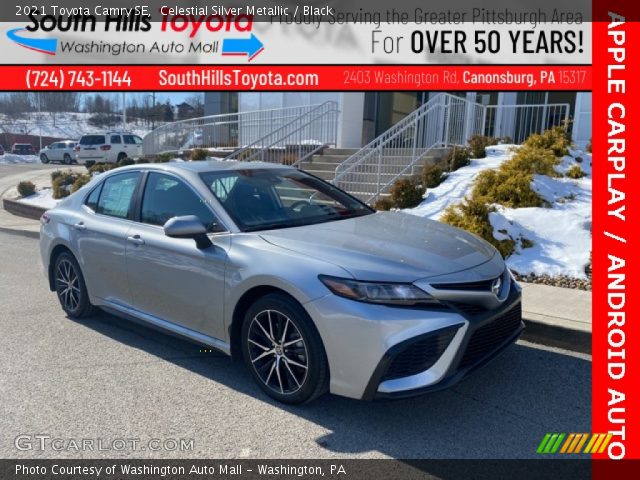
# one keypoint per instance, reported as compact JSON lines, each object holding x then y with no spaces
{"x":312,"y":289}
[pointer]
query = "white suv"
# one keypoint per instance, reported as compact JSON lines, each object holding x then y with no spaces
{"x":59,"y":152}
{"x":109,"y":147}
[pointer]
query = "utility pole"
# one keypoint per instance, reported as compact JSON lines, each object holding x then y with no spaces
{"x":124,"y":111}
{"x":153,"y":110}
{"x":39,"y":118}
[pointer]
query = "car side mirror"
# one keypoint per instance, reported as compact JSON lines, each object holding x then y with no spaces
{"x":188,"y":226}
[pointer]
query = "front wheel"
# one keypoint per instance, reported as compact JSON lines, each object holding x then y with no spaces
{"x":283,"y":350}
{"x":44,"y":158}
{"x":70,"y":287}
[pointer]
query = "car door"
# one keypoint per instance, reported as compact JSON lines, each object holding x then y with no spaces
{"x":170,"y":278}
{"x":101,"y":234}
{"x":51,"y":152}
{"x":133,"y":145}
{"x":67,"y":148}
{"x":60,"y":151}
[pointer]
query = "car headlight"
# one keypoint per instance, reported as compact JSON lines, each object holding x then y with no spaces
{"x":374,"y":292}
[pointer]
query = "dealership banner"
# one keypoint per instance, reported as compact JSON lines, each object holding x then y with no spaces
{"x":459,"y":70}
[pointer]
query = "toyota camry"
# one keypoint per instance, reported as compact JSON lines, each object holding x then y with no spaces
{"x":307,"y":285}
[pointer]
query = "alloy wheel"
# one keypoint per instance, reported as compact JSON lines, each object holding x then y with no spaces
{"x":68,"y":285}
{"x":278,"y":352}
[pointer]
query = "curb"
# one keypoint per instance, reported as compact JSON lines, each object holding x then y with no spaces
{"x":22,"y":210}
{"x":20,"y":232}
{"x":556,"y":336}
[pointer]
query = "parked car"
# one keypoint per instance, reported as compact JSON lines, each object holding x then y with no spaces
{"x":22,"y":149}
{"x":109,"y":147}
{"x":62,"y":151}
{"x":313,"y":289}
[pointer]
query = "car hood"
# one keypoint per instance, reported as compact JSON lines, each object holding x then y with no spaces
{"x":387,"y":246}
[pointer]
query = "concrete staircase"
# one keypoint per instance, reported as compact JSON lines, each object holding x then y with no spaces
{"x":324,"y":165}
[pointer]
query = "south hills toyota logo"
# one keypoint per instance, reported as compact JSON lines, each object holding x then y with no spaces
{"x":72,"y":23}
{"x":31,"y":36}
{"x":41,"y":45}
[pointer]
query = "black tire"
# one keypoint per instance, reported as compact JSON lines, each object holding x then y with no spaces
{"x":67,"y":159}
{"x":121,"y":156}
{"x":293,"y":384}
{"x":74,"y":302}
{"x":44,"y":158}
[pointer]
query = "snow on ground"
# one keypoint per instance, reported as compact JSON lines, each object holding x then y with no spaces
{"x":458,"y":184}
{"x":10,"y":159}
{"x":561,"y":234}
{"x":66,"y":125}
{"x":42,"y":198}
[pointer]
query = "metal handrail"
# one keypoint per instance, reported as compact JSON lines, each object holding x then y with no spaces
{"x":228,"y":131}
{"x":297,"y":140}
{"x":443,"y":122}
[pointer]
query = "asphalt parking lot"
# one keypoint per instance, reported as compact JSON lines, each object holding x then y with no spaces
{"x":108,"y":379}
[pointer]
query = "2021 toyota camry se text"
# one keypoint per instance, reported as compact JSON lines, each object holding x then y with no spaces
{"x":315,"y":291}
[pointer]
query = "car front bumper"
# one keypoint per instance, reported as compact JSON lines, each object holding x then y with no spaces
{"x":367,"y":345}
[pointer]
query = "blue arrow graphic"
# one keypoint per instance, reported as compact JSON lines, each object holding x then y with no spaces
{"x":43,"y":45}
{"x":242,"y":46}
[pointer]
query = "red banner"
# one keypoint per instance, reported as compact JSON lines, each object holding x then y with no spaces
{"x":616,"y":331}
{"x":294,"y":78}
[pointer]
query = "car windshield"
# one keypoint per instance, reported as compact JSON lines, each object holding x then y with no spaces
{"x":272,"y":198}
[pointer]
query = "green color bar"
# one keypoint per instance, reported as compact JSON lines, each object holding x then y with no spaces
{"x":558,"y":443}
{"x":543,"y":443}
{"x":552,"y":440}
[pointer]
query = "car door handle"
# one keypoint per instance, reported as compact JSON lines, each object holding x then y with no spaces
{"x":80,"y":226}
{"x":135,"y":239}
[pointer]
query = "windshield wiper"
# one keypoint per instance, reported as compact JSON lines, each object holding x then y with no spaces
{"x":270,"y":226}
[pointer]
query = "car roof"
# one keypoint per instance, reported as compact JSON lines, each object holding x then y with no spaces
{"x":208,"y":166}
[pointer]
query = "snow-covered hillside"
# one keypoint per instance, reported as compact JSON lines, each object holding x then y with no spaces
{"x":66,"y":125}
{"x":561,"y":235}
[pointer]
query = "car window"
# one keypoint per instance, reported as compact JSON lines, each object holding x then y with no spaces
{"x":132,"y":139}
{"x":92,"y":140}
{"x":53,"y":145}
{"x":92,"y":199}
{"x":166,"y":197}
{"x":116,"y":195}
{"x":116,"y":139}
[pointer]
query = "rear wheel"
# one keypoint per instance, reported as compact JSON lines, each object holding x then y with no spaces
{"x":283,"y":350}
{"x":66,"y":159}
{"x":70,"y":287}
{"x":121,"y":156}
{"x":44,"y":158}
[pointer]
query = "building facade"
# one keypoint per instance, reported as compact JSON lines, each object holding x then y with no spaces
{"x":365,"y":115}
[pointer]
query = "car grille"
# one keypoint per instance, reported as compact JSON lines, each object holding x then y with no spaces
{"x":420,"y":355}
{"x":489,"y":337}
{"x":481,"y":286}
{"x":470,"y":309}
